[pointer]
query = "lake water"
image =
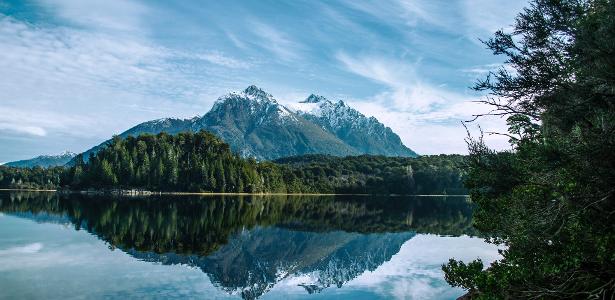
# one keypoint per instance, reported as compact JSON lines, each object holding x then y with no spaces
{"x":219,"y":247}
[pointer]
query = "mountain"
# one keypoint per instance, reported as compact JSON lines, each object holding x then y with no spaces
{"x":44,"y":161}
{"x":364,"y":134}
{"x":255,"y":125}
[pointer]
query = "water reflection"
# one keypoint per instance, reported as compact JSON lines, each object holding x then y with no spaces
{"x":246,"y":244}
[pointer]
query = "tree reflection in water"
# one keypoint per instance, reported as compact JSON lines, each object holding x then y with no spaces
{"x":246,"y":244}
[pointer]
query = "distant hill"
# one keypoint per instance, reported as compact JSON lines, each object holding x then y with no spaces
{"x":44,"y":161}
{"x":255,"y":125}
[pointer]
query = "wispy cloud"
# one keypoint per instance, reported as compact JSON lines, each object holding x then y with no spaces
{"x":408,"y":12}
{"x":486,"y":16}
{"x":235,"y":40}
{"x":120,"y":15}
{"x":276,"y":41}
{"x":428,"y":117}
{"x":471,"y":18}
{"x":223,"y":60}
{"x":63,"y":79}
{"x":483,"y":70}
{"x":22,"y":129}
{"x":38,"y":122}
{"x":438,"y":131}
{"x":72,"y":56}
{"x":405,"y":91}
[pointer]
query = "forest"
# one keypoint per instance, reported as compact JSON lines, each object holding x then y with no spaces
{"x":200,"y":162}
{"x":36,"y":178}
{"x":184,"y":162}
{"x":549,"y":202}
{"x":369,"y":174}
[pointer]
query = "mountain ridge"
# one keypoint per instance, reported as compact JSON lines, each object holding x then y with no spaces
{"x":43,"y":161}
{"x":351,"y":126}
{"x":256,"y":125}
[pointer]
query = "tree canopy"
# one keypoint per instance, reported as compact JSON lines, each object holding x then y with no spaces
{"x":549,"y":202}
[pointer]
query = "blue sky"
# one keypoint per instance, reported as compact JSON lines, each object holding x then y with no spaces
{"x":76,"y":72}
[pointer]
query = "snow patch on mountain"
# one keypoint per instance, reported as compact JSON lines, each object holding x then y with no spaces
{"x":303,"y":107}
{"x":335,"y":114}
{"x":259,"y":102}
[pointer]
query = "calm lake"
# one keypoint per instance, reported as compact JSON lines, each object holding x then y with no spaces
{"x":217,"y":247}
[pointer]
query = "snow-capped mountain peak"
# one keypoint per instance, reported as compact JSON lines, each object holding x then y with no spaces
{"x":254,"y":92}
{"x":314,"y":99}
{"x":251,"y":93}
{"x":66,"y":153}
{"x":311,"y":105}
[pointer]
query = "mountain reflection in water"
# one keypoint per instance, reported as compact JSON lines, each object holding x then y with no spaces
{"x":246,"y":244}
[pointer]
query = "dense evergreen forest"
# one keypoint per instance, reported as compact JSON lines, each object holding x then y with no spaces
{"x":183,"y":162}
{"x":36,"y":178}
{"x":368,"y":174}
{"x":200,"y":162}
{"x":551,"y":201}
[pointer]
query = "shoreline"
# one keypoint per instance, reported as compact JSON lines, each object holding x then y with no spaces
{"x":28,"y":190}
{"x":150,"y":193}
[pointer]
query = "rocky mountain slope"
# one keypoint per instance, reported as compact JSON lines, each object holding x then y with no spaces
{"x":367,"y":135}
{"x":256,"y":125}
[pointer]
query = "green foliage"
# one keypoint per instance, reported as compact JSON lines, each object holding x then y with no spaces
{"x":200,"y":162}
{"x":458,"y":274}
{"x":369,"y":174}
{"x":550,"y":202}
{"x":194,"y":162}
{"x":30,"y":178}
